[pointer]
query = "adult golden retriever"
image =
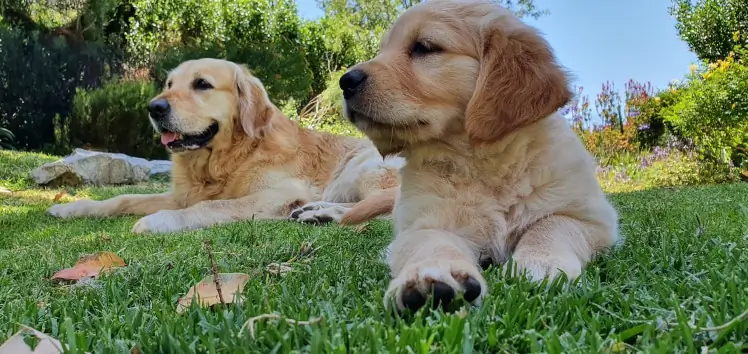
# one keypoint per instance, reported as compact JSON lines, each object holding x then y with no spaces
{"x":236,"y":156}
{"x":468,"y":94}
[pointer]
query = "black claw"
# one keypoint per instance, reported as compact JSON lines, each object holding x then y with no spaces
{"x":295,"y":214}
{"x":412,"y":299}
{"x":472,"y":289}
{"x":324,"y":219}
{"x":312,"y":221}
{"x":443,"y":294}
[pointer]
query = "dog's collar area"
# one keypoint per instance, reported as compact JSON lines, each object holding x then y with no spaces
{"x":193,"y":141}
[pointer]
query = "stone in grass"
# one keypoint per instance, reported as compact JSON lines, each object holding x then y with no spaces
{"x":98,"y":168}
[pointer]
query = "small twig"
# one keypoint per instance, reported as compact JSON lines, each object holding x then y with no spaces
{"x":740,"y":318}
{"x":214,"y":268}
{"x":251,"y":322}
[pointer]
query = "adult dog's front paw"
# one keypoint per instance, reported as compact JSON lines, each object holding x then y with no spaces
{"x":83,"y":207}
{"x":319,"y":213}
{"x":161,"y":222}
{"x":441,"y":278}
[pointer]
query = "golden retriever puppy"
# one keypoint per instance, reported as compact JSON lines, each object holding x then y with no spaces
{"x":469,"y":95}
{"x":236,"y":156}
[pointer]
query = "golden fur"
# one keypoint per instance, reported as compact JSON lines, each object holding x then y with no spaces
{"x":258,"y":165}
{"x":469,"y":95}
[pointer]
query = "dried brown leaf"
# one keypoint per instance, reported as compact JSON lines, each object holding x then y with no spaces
{"x":206,"y":293}
{"x":59,"y":196}
{"x":361,"y":227}
{"x":90,"y":266}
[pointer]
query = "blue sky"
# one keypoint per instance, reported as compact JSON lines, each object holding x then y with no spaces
{"x":599,"y":40}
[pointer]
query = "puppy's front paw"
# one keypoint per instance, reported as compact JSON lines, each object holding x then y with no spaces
{"x":442,"y":279}
{"x":161,"y":222}
{"x":83,"y":207}
{"x":319,"y":213}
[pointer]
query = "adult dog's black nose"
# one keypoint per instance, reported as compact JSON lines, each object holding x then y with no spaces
{"x":159,"y":108}
{"x":351,"y":82}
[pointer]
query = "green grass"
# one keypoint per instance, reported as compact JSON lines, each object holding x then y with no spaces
{"x":683,"y":264}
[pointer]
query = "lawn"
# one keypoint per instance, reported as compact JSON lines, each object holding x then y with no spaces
{"x":683,"y":267}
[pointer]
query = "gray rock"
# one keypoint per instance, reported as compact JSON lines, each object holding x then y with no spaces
{"x":98,"y":168}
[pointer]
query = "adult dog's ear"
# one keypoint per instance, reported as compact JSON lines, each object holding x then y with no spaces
{"x":254,"y":107}
{"x":519,"y":81}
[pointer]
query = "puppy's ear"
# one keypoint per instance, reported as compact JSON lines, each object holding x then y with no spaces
{"x":519,"y":81}
{"x":254,"y":107}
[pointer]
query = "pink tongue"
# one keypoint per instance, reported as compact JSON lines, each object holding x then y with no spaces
{"x":167,"y":137}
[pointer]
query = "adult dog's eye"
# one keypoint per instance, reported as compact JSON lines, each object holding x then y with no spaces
{"x":421,"y":48}
{"x":201,"y":84}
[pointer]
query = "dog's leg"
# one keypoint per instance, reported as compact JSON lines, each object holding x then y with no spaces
{"x":553,"y":245}
{"x":436,"y":263}
{"x":127,"y":204}
{"x":273,"y":203}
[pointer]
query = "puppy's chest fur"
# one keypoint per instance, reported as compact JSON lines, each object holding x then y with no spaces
{"x":489,"y":195}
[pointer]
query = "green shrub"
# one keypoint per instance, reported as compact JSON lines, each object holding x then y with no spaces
{"x":39,"y":75}
{"x":712,"y":28}
{"x":712,"y":111}
{"x":324,"y":112}
{"x":283,"y":72}
{"x":114,"y":118}
{"x":682,"y":169}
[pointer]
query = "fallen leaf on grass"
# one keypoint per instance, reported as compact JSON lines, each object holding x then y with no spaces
{"x":59,"y":196}
{"x":105,"y":237}
{"x":90,"y":266}
{"x":361,"y":227}
{"x":30,"y":341}
{"x":279,"y":268}
{"x":206,"y":292}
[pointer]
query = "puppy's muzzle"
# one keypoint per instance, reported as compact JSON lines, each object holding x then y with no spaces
{"x":159,"y":110}
{"x":352,"y":83}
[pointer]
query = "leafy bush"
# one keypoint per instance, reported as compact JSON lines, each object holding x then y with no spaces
{"x":712,"y":28}
{"x":712,"y":111}
{"x":114,"y":118}
{"x":283,"y":72}
{"x":651,"y":128}
{"x":39,"y":75}
{"x":324,"y":112}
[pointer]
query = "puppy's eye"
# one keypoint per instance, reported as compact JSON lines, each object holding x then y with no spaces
{"x":422,"y":48}
{"x":168,"y":84}
{"x":201,"y":84}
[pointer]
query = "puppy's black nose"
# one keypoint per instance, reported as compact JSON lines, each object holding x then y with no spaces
{"x":351,"y":82}
{"x":159,"y":108}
